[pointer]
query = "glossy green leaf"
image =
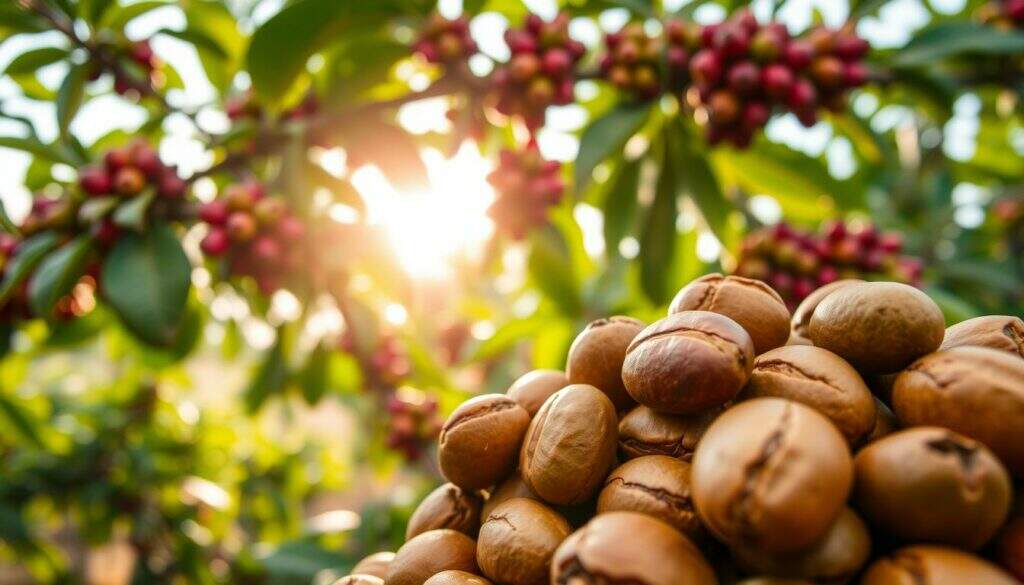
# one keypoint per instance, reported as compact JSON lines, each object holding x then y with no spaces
{"x":508,"y":335}
{"x":57,"y":274}
{"x":146,"y":279}
{"x":94,"y":10}
{"x":31,"y":61}
{"x":550,"y":266}
{"x":696,"y":179}
{"x":270,"y":377}
{"x":69,"y":96}
{"x":118,"y":16}
{"x":619,"y":206}
{"x":658,"y":235}
{"x":954,"y":38}
{"x":312,"y":378}
{"x":605,"y":137}
{"x":30,"y":253}
{"x":132,"y":213}
{"x":5,"y":220}
{"x":34,"y":146}
{"x":862,"y":8}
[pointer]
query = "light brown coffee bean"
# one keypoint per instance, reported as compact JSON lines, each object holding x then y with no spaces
{"x":802,"y":316}
{"x":820,"y":379}
{"x":771,"y":474}
{"x":596,"y":357}
{"x":479,"y":442}
{"x":518,"y":540}
{"x":688,"y":362}
{"x":513,"y":487}
{"x":934,"y":565}
{"x":429,"y":554}
{"x":647,"y":432}
{"x":533,"y":388}
{"x":446,"y":507}
{"x":879,"y":327}
{"x":629,"y":548}
{"x":376,"y":564}
{"x":457,"y":578}
{"x":570,"y":445}
{"x":655,"y":485}
{"x":835,"y":558}
{"x":751,"y":303}
{"x":929,"y":484}
{"x":1000,"y":332}
{"x":975,"y":391}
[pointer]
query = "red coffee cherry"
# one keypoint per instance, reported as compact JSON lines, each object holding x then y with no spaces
{"x":95,"y":181}
{"x":525,"y":186}
{"x":129,"y":181}
{"x":216,"y":242}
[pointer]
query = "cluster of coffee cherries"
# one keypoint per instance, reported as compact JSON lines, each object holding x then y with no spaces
{"x":797,"y":262}
{"x":632,"y":62}
{"x":137,"y":67}
{"x":743,"y":71}
{"x":1003,"y":14}
{"x":129,"y":170}
{"x":445,"y":41}
{"x":525,"y":186}
{"x":413,"y":423}
{"x":541,"y":70}
{"x":256,"y":234}
{"x":244,"y":106}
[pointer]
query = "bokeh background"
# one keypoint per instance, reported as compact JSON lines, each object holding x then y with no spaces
{"x":292,"y":432}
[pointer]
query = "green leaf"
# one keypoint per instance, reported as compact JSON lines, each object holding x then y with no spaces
{"x":5,"y":221}
{"x":69,"y":97}
{"x":861,"y":8}
{"x":94,"y":10}
{"x":28,"y":256}
{"x":508,"y":335}
{"x":954,"y":308}
{"x":29,"y":62}
{"x":271,"y":376}
{"x":954,"y":38}
{"x":619,"y":206}
{"x":146,"y":279}
{"x":658,"y":236}
{"x":550,"y":266}
{"x":313,"y":377}
{"x":57,"y":275}
{"x":20,"y":419}
{"x":119,"y":16}
{"x":605,"y":137}
{"x":32,"y":145}
{"x":282,"y":45}
{"x":132,"y":213}
{"x":513,"y":10}
{"x":96,"y":208}
{"x":697,"y":181}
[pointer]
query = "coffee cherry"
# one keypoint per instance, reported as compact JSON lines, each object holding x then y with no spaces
{"x":95,"y":181}
{"x":145,"y":158}
{"x":266,"y":249}
{"x":524,"y":67}
{"x":171,"y":185}
{"x":828,"y":71}
{"x":802,"y":95}
{"x":117,"y":158}
{"x":744,"y":77}
{"x":777,"y":80}
{"x":557,"y":62}
{"x":214,"y":212}
{"x":851,"y":48}
{"x":798,"y":54}
{"x":766,"y":46}
{"x":216,"y":242}
{"x":706,"y":68}
{"x":241,"y":226}
{"x":855,"y":75}
{"x":129,"y":181}
{"x":142,"y":53}
{"x":755,"y":115}
{"x":723,"y":107}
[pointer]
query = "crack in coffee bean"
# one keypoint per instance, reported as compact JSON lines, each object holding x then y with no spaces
{"x":793,"y":371}
{"x":719,"y":342}
{"x":913,"y":565}
{"x":742,"y":506}
{"x":680,"y":502}
{"x":1016,"y":334}
{"x":573,"y":571}
{"x":473,"y":414}
{"x":670,"y":448}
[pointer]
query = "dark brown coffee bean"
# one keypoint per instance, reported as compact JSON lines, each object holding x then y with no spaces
{"x":771,"y":474}
{"x":975,"y":391}
{"x":820,"y":379}
{"x":929,"y":484}
{"x":802,"y":316}
{"x":629,"y":548}
{"x":885,"y":422}
{"x":934,"y":565}
{"x":429,"y":554}
{"x":518,"y":540}
{"x":596,"y":357}
{"x":751,"y":303}
{"x":655,"y":485}
{"x":879,"y":327}
{"x":1000,"y":332}
{"x":532,"y":389}
{"x":836,"y":558}
{"x":359,"y":580}
{"x":479,"y":442}
{"x":570,"y":445}
{"x":688,"y":362}
{"x":446,"y":507}
{"x":376,"y":564}
{"x":647,"y":432}
{"x":457,"y":578}
{"x":513,"y":487}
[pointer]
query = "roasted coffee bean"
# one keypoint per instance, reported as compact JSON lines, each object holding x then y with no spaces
{"x":751,"y":303}
{"x":885,"y":422}
{"x":446,"y":507}
{"x":430,"y":553}
{"x":879,"y":327}
{"x":647,"y":432}
{"x":771,"y":474}
{"x":596,"y":357}
{"x":376,"y":564}
{"x":820,"y":379}
{"x":457,"y":578}
{"x":835,"y":558}
{"x":479,"y":442}
{"x":518,"y":540}
{"x":359,"y":580}
{"x":655,"y":485}
{"x":570,"y":445}
{"x":513,"y":487}
{"x":975,"y":391}
{"x":1000,"y":332}
{"x":934,"y":565}
{"x":928,"y":484}
{"x":802,"y":316}
{"x":629,"y":548}
{"x":688,"y":362}
{"x":532,"y":389}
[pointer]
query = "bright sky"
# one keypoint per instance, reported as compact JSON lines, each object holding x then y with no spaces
{"x":893,"y":27}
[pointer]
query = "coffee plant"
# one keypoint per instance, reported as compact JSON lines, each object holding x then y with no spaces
{"x":253,"y":253}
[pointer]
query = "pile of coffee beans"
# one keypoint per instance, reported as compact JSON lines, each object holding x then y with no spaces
{"x":258,"y":235}
{"x":525,"y":186}
{"x":445,"y":41}
{"x":731,"y":442}
{"x":796,"y":262}
{"x":541,"y":71}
